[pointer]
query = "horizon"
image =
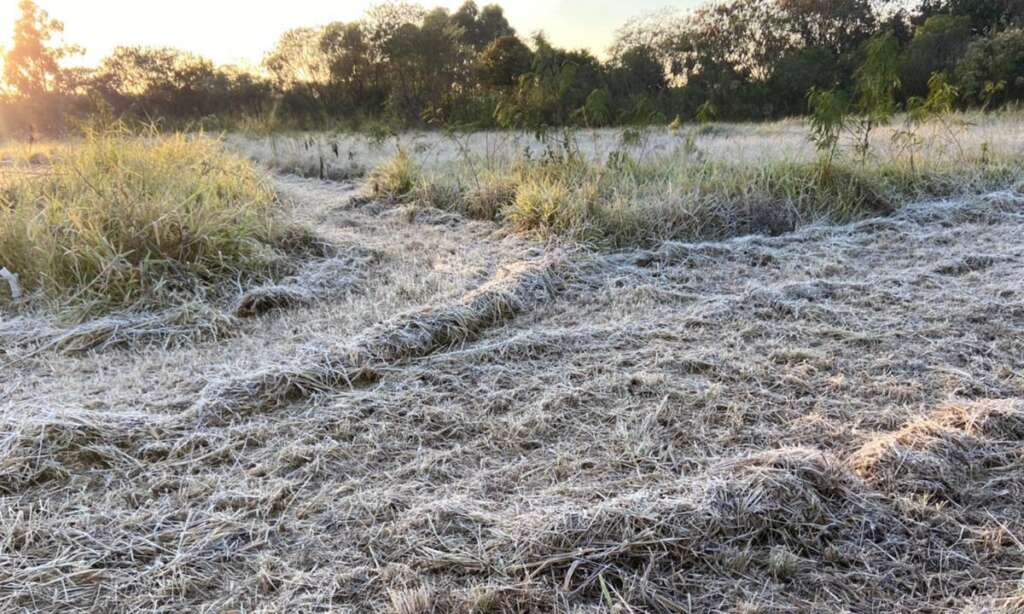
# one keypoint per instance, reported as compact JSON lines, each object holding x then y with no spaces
{"x":575,"y":25}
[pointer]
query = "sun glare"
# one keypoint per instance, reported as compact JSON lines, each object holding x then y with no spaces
{"x":8,"y":13}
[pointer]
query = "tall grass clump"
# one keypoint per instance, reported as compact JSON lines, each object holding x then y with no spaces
{"x":395,"y":178}
{"x":658,"y":199}
{"x":117,"y":219}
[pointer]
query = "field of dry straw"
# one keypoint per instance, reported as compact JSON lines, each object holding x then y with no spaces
{"x":441,"y":411}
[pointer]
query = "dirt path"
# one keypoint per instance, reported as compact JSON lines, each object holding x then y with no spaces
{"x":751,"y":424}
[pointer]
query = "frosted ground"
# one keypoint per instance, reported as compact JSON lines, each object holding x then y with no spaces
{"x":437,"y":414}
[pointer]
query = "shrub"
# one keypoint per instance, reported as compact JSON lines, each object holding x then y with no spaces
{"x":654,"y":186}
{"x":490,"y":198}
{"x":542,"y":203}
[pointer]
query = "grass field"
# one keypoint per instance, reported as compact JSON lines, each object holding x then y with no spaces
{"x":640,"y":186}
{"x":654,"y":371}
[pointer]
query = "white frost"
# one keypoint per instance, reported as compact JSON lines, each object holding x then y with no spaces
{"x":12,"y":281}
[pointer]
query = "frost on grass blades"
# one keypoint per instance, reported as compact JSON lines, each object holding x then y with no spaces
{"x":12,"y":283}
{"x":476,"y":420}
{"x":155,"y":235}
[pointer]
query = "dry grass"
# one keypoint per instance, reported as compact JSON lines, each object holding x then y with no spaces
{"x":454,"y":417}
{"x":965,"y":454}
{"x":407,"y":336}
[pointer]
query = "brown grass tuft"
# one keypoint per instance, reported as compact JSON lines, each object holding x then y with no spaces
{"x":960,"y":453}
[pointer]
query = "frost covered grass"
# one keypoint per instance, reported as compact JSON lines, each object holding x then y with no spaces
{"x":643,"y":185}
{"x":827,"y":419}
{"x":442,"y":413}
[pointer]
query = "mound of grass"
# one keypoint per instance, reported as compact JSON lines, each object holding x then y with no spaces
{"x":627,"y":202}
{"x":118,"y":219}
{"x":411,"y":335}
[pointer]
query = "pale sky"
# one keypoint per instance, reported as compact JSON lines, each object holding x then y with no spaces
{"x":241,"y":31}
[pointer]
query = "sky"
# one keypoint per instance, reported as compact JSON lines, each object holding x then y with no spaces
{"x":241,"y":31}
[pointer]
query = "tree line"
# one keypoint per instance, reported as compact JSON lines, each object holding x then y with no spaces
{"x":407,"y":65}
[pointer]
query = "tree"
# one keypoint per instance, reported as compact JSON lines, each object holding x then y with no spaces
{"x":797,"y":73}
{"x":297,"y":58}
{"x":465,"y":19}
{"x":936,"y":47}
{"x":382,"y":22}
{"x":637,"y":82}
{"x":742,"y":39}
{"x":355,"y":79}
{"x":828,"y":117}
{"x":747,"y":59}
{"x":837,"y":25}
{"x":479,"y":28}
{"x":425,"y":65}
{"x":640,"y":71}
{"x":492,"y":25}
{"x":985,"y":15}
{"x":992,"y":69}
{"x":503,"y":61}
{"x":160,"y":80}
{"x":659,"y":31}
{"x":32,"y":66}
{"x":725,"y":53}
{"x":557,"y":86}
{"x":877,"y":81}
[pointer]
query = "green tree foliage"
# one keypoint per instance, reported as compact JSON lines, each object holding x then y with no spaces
{"x":551,"y":94}
{"x":425,"y":61}
{"x":876,"y":84}
{"x":941,"y":99}
{"x":829,"y":109}
{"x":356,"y":76}
{"x":992,"y":70}
{"x":757,"y":58}
{"x":157,"y":77}
{"x":168,"y":83}
{"x":837,"y":25}
{"x":638,"y":71}
{"x":936,"y":47}
{"x":984,"y":16}
{"x":798,"y":72}
{"x":479,"y":28}
{"x":877,"y":80}
{"x":597,"y":110}
{"x":298,"y":58}
{"x":873,"y":102}
{"x":504,"y":61}
{"x":706,"y":113}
